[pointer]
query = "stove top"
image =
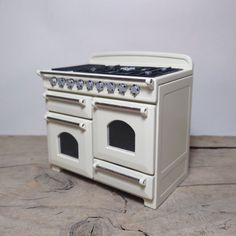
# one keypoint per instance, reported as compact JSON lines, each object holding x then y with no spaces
{"x":120,"y":70}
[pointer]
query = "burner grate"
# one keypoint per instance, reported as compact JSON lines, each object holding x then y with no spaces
{"x":120,"y":70}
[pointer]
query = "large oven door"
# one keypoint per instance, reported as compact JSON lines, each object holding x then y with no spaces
{"x":70,"y":143}
{"x":124,"y":133}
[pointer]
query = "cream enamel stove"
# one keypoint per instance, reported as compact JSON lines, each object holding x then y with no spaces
{"x":123,"y":120}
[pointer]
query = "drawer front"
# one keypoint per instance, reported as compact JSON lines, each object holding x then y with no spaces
{"x":69,"y":104}
{"x":125,"y":179}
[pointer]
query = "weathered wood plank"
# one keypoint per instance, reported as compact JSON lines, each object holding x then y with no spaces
{"x":198,"y":210}
{"x":213,"y":158}
{"x":211,"y":166}
{"x":210,"y":176}
{"x":34,"y":200}
{"x":195,"y":141}
{"x":213,"y":141}
{"x":22,"y":150}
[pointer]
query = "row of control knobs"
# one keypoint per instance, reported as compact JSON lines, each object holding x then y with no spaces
{"x":100,"y":86}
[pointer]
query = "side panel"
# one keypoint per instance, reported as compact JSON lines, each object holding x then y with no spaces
{"x":172,"y":147}
{"x":174,"y":116}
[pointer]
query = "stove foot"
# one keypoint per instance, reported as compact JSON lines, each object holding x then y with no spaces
{"x":155,"y":203}
{"x":56,"y":168}
{"x":150,"y":203}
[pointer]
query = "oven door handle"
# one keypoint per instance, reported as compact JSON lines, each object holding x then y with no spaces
{"x":82,"y":126}
{"x":64,"y":99}
{"x":140,"y":181}
{"x":142,"y":110}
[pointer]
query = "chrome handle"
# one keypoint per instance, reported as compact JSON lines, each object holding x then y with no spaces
{"x":142,"y":110}
{"x":140,"y":181}
{"x":80,"y":125}
{"x":150,"y":83}
{"x":64,"y":99}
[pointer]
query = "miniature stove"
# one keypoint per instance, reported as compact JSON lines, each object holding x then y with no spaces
{"x":122,"y":120}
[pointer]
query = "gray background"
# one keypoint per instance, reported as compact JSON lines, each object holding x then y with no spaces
{"x":50,"y":33}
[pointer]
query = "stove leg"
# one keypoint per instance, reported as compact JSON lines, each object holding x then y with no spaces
{"x":55,"y":168}
{"x":151,"y":203}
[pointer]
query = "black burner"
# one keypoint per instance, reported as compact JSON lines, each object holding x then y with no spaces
{"x":120,"y":70}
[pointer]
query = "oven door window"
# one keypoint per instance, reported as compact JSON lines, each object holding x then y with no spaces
{"x":68,"y":145}
{"x":121,"y":135}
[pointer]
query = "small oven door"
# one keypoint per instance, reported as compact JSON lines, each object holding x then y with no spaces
{"x":124,"y":133}
{"x":70,"y":143}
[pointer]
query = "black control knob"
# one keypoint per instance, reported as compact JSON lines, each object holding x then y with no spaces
{"x":111,"y":87}
{"x":135,"y":89}
{"x":70,"y":83}
{"x":89,"y":84}
{"x":53,"y":81}
{"x":100,"y":86}
{"x":61,"y":82}
{"x":122,"y":88}
{"x":80,"y":84}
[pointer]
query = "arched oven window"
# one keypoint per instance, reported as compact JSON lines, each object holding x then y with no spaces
{"x":69,"y":145}
{"x":121,"y":135}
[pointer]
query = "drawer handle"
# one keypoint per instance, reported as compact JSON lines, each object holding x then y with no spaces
{"x":80,"y":125}
{"x":140,"y":181}
{"x":64,"y":99}
{"x":143,"y":111}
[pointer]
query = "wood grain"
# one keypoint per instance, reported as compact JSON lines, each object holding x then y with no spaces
{"x":213,"y":141}
{"x":34,"y":200}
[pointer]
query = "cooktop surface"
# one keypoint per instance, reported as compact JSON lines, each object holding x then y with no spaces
{"x":120,"y":70}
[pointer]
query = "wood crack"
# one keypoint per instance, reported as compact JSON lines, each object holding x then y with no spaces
{"x":91,"y":232}
{"x":217,"y":147}
{"x":125,"y":203}
{"x":226,"y":225}
{"x":139,"y":230}
{"x":20,"y":165}
{"x":65,"y":184}
{"x":59,"y":206}
{"x":98,"y":225}
{"x":215,"y":184}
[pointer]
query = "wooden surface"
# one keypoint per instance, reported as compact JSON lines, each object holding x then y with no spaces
{"x":216,"y":141}
{"x":34,"y":200}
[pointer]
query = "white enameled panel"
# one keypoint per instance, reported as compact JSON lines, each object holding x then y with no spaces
{"x":69,"y":104}
{"x":81,"y":131}
{"x":125,"y":179}
{"x":141,"y":120}
{"x":132,"y":58}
